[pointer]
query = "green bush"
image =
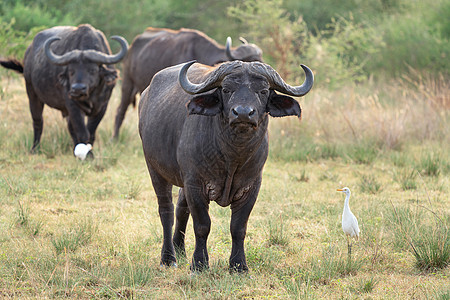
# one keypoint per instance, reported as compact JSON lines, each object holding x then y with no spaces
{"x":269,"y":26}
{"x":318,"y":16}
{"x":410,"y":42}
{"x":342,"y":41}
{"x":28,"y":16}
{"x":14,"y":43}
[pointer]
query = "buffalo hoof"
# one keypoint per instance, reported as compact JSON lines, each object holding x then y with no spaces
{"x":170,"y":264}
{"x":199,"y":267}
{"x":238,"y":268}
{"x":35,"y":149}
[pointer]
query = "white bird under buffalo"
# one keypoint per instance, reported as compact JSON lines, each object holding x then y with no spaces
{"x":349,"y":221}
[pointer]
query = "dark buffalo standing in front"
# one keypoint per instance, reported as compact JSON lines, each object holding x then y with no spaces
{"x":70,"y":69}
{"x":210,"y":138}
{"x":159,"y":48}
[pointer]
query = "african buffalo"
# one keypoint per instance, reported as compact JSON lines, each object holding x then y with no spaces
{"x":159,"y":48}
{"x":210,"y":139}
{"x":70,"y":69}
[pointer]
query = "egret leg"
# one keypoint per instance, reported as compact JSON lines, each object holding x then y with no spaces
{"x":349,"y":244}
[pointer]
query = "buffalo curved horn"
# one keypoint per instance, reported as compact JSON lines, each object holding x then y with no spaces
{"x":228,"y":49}
{"x":59,"y":60}
{"x":243,"y":40}
{"x":277,"y":83}
{"x":92,"y":55}
{"x":100,"y":57}
{"x":214,"y":79}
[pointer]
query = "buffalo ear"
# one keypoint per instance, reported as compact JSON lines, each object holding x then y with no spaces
{"x":109,"y":75}
{"x":207,"y":104}
{"x":282,"y":106}
{"x":63,"y":81}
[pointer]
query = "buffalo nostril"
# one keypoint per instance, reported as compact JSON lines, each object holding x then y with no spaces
{"x":234,"y":112}
{"x":252,"y":112}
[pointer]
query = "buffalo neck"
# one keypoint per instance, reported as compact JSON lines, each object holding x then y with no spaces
{"x":212,"y":54}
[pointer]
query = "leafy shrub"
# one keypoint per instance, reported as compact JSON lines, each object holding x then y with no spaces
{"x":28,"y":16}
{"x":14,"y":43}
{"x":411,"y":41}
{"x":318,"y":16}
{"x":339,"y":53}
{"x":268,"y":24}
{"x":336,"y":54}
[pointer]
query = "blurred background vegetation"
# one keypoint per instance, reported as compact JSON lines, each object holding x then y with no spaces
{"x":343,"y":41}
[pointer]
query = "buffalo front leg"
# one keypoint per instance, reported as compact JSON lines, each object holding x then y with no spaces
{"x":182,"y":217}
{"x":93,"y":123}
{"x":199,"y":206}
{"x":238,"y":228}
{"x":77,"y":127}
{"x":163,"y":191}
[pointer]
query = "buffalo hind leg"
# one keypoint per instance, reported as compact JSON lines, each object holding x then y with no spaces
{"x":182,"y":217}
{"x":238,"y":228}
{"x":163,"y":191}
{"x":128,"y":94}
{"x":36,"y":109}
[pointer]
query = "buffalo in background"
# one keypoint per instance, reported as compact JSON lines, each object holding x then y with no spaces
{"x":70,"y":69}
{"x":210,"y":139}
{"x":158,"y":48}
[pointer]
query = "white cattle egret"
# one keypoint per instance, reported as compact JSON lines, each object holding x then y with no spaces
{"x":349,"y":221}
{"x":81,"y":150}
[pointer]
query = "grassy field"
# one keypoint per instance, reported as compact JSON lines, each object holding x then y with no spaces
{"x":91,"y":229}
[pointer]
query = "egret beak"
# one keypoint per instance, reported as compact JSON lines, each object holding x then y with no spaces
{"x":340,"y":190}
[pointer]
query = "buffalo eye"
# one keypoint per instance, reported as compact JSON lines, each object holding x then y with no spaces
{"x":226,"y":91}
{"x":71,"y":72}
{"x":264,"y":92}
{"x":92,"y":71}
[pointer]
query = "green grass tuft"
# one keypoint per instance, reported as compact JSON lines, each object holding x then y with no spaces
{"x":277,"y":232}
{"x":71,"y":239}
{"x":369,"y":184}
{"x":364,"y":153}
{"x":406,"y":179}
{"x":430,"y":165}
{"x":426,"y":235}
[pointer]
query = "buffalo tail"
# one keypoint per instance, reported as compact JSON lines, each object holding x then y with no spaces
{"x":12,"y":64}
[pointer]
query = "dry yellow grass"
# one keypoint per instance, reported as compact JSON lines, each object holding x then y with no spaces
{"x":295,"y":247}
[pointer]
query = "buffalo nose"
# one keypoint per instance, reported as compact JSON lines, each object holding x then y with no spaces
{"x":243,"y":113}
{"x":79,"y":88}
